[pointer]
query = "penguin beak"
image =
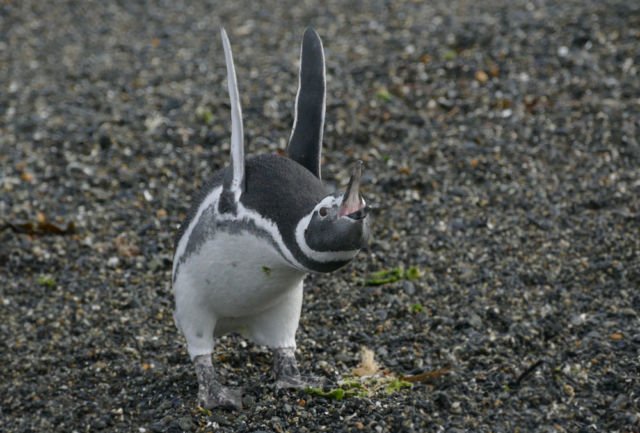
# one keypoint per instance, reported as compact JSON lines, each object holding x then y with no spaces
{"x":353,"y":205}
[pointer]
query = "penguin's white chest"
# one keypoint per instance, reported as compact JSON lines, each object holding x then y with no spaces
{"x":236,"y":275}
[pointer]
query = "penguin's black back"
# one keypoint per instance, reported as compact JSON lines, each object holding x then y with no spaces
{"x":281,"y":190}
{"x":277,"y":188}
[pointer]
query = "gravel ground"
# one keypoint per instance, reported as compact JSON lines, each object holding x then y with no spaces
{"x":501,"y":143}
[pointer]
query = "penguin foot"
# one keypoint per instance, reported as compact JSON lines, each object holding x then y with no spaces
{"x":211,"y":394}
{"x":299,"y":382}
{"x":221,"y":397}
{"x":286,"y":371}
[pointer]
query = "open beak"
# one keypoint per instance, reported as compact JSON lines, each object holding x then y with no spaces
{"x":353,"y":205}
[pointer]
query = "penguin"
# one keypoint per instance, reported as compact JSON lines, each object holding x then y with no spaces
{"x":255,"y":230}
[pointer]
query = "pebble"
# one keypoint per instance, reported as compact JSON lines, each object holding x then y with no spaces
{"x":408,"y":287}
{"x":185,"y":423}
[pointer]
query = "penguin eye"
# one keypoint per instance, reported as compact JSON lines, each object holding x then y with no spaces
{"x":323,"y":211}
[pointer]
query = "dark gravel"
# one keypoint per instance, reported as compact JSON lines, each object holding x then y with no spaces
{"x":501,"y":140}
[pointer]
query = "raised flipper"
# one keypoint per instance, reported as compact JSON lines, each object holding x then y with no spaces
{"x":233,"y":185}
{"x":305,"y":144}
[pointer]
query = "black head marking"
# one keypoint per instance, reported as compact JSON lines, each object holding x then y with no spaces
{"x":284,"y":192}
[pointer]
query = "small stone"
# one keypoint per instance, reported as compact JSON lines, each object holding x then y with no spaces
{"x":476,"y":321}
{"x":113,"y":262}
{"x":568,"y":390}
{"x":248,"y":401}
{"x":408,"y":287}
{"x":456,"y":407}
{"x":382,"y":313}
{"x":157,"y":427}
{"x":617,"y":336}
{"x":104,"y":141}
{"x":186,"y":423}
{"x":155,"y":264}
{"x":458,"y":224}
{"x":481,"y":76}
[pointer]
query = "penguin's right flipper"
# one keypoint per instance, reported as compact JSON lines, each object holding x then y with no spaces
{"x":305,"y":144}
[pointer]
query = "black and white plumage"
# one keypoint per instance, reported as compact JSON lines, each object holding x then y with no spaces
{"x":254,"y":232}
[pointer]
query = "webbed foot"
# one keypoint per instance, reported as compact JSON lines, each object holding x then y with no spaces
{"x":286,"y":371}
{"x":299,"y":382}
{"x":221,"y":397}
{"x":211,"y":394}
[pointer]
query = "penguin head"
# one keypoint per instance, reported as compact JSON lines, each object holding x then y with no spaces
{"x":338,"y":226}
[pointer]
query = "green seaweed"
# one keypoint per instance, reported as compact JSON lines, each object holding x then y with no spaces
{"x":204,"y":411}
{"x":449,"y":55}
{"x":417,"y":308}
{"x":333,"y":394}
{"x":339,"y":393}
{"x":47,"y":281}
{"x":385,"y":276}
{"x":204,"y":115}
{"x":266,"y":270}
{"x":360,"y":388}
{"x":397,"y":385}
{"x":413,"y":273}
{"x":392,"y":275}
{"x":384,"y":95}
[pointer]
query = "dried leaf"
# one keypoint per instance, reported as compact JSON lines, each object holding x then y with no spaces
{"x":40,"y":227}
{"x":404,"y":170}
{"x":427,"y":376}
{"x":368,"y":366}
{"x":494,"y":69}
